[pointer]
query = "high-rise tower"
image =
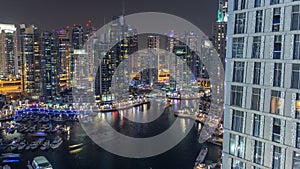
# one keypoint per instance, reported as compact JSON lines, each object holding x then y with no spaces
{"x":262,"y":96}
{"x":50,"y":64}
{"x":115,"y":46}
{"x":220,"y":29}
{"x":8,"y":50}
{"x":31,"y":57}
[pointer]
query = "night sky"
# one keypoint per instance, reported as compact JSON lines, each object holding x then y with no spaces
{"x":55,"y":14}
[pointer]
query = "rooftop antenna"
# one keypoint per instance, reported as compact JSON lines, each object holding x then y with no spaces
{"x":123,"y":8}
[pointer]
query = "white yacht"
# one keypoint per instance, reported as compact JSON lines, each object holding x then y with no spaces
{"x":41,"y":162}
{"x":56,"y":142}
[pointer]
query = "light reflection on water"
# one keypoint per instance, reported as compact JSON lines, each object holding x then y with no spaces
{"x":92,"y":156}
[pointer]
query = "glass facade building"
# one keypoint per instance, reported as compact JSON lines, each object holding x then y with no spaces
{"x":261,"y":118}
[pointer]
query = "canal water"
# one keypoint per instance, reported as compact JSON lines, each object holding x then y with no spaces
{"x":91,"y":156}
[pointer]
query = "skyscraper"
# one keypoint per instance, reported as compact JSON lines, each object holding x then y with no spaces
{"x":77,"y":37}
{"x":8,"y":50}
{"x":119,"y":42}
{"x":262,"y":96}
{"x":88,"y":30}
{"x":77,"y":43}
{"x":31,"y":57}
{"x":64,"y":55}
{"x":154,"y":46}
{"x":219,"y":30}
{"x":50,"y":64}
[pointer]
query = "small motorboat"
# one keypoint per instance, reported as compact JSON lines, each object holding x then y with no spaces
{"x":200,"y":158}
{"x":45,"y":145}
{"x":56,"y":142}
{"x":28,"y":147}
{"x":44,"y":120}
{"x":10,"y":130}
{"x":29,"y":166}
{"x":58,"y":119}
{"x":57,"y":139}
{"x":24,"y":119}
{"x":22,"y":130}
{"x":19,"y":119}
{"x":21,"y":146}
{"x":34,"y":145}
{"x":12,"y":147}
{"x":6,"y":167}
{"x":41,"y":162}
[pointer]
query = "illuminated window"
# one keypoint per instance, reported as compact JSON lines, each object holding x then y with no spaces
{"x":297,"y":106}
{"x":275,"y":102}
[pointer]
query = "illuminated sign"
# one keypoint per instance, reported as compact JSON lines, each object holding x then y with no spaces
{"x":79,"y":52}
{"x":180,"y":50}
{"x":8,"y":28}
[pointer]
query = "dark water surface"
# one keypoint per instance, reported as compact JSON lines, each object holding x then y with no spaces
{"x":182,"y":156}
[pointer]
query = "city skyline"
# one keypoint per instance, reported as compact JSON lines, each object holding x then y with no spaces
{"x":235,"y":87}
{"x":43,"y":16}
{"x":57,"y":73}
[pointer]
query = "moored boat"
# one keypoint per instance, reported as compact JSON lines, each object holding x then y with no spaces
{"x":12,"y":147}
{"x":34,"y":145}
{"x":27,"y":147}
{"x":56,"y":142}
{"x":41,"y":162}
{"x":200,"y":158}
{"x":6,"y":167}
{"x":21,"y":146}
{"x":45,"y":145}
